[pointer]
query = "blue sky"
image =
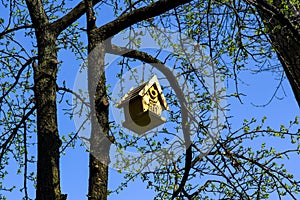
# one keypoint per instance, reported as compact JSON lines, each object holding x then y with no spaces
{"x":259,"y":89}
{"x":74,"y":165}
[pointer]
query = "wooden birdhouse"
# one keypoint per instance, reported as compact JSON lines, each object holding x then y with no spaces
{"x":143,"y":107}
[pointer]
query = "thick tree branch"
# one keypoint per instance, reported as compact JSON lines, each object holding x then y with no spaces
{"x":284,"y":34}
{"x":79,"y":10}
{"x":114,"y":27}
{"x":39,"y":17}
{"x":147,"y":58}
{"x":275,"y":12}
{"x":37,"y":13}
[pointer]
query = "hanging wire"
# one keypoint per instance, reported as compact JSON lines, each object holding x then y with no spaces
{"x":143,"y":74}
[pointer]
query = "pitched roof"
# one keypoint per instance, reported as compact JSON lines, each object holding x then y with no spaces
{"x":142,"y":90}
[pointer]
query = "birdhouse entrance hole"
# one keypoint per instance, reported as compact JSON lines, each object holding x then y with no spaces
{"x":137,"y":113}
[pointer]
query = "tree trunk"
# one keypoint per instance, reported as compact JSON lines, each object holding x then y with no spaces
{"x":284,"y":33}
{"x":99,"y":144}
{"x":48,"y":178}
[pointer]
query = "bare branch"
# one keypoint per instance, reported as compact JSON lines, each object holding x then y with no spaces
{"x":114,"y":27}
{"x":15,"y":131}
{"x":61,"y":24}
{"x":37,"y":13}
{"x":18,"y":76}
{"x":7,"y":31}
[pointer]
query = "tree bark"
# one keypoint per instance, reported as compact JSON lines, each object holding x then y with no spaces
{"x":284,"y":33}
{"x":99,"y":144}
{"x":124,"y":21}
{"x":45,"y":88}
{"x":48,"y":175}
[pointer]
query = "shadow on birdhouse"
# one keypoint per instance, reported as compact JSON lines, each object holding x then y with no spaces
{"x":143,"y":107}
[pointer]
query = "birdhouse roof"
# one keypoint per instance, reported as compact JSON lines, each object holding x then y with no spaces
{"x":142,"y":90}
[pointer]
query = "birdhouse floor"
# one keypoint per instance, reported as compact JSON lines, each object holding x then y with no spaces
{"x":156,"y":121}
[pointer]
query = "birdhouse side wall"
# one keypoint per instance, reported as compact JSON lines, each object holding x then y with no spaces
{"x":126,"y":112}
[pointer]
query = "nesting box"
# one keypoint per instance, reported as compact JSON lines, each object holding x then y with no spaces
{"x":143,"y":107}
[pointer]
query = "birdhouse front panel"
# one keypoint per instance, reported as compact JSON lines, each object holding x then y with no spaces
{"x":143,"y":107}
{"x":154,"y":103}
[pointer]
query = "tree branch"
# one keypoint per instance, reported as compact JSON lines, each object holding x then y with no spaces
{"x":37,"y":13}
{"x":15,"y":131}
{"x":17,"y":77}
{"x":267,"y":7}
{"x":114,"y":27}
{"x":287,"y":36}
{"x":62,"y":23}
{"x":7,"y":31}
